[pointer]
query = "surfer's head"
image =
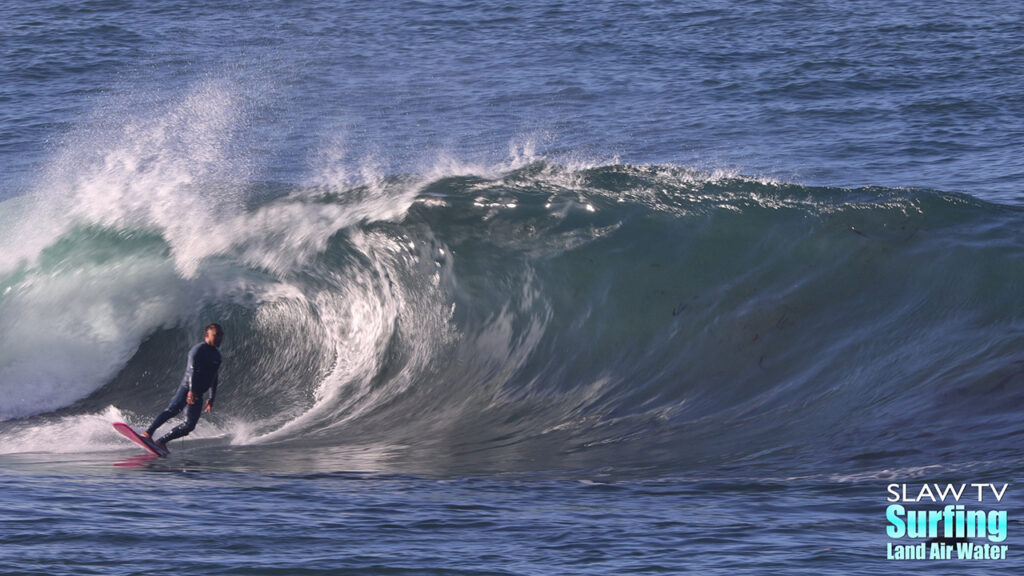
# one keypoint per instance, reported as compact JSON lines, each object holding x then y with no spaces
{"x":214,"y":335}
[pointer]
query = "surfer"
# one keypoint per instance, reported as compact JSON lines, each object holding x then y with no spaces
{"x":200,"y":376}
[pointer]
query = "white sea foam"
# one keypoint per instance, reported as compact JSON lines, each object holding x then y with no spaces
{"x":65,"y":435}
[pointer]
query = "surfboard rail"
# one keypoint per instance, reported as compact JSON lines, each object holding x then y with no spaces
{"x":146,"y":443}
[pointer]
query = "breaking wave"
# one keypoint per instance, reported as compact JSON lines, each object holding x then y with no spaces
{"x":534,"y":312}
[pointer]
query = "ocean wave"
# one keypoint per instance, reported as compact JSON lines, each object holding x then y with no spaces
{"x":653,"y":313}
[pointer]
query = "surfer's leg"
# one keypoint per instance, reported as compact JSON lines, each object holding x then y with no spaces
{"x":177,"y":403}
{"x":191,"y":417}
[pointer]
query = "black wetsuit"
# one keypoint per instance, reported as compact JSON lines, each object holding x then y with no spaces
{"x":200,"y":376}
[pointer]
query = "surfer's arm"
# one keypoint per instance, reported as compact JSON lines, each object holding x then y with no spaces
{"x":213,"y":394}
{"x":190,"y":374}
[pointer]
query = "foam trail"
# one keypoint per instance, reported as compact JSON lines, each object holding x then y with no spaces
{"x":66,"y":435}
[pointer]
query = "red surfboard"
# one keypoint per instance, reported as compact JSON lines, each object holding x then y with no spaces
{"x":150,"y":446}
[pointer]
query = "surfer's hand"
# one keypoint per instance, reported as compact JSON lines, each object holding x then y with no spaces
{"x":191,"y":398}
{"x":209,"y":405}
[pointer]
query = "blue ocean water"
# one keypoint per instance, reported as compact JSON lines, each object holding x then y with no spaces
{"x":550,"y":288}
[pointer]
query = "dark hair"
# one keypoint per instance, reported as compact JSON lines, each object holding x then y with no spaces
{"x":215,"y":327}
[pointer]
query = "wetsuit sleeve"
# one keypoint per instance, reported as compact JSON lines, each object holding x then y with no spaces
{"x":191,"y":373}
{"x":213,"y":387}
